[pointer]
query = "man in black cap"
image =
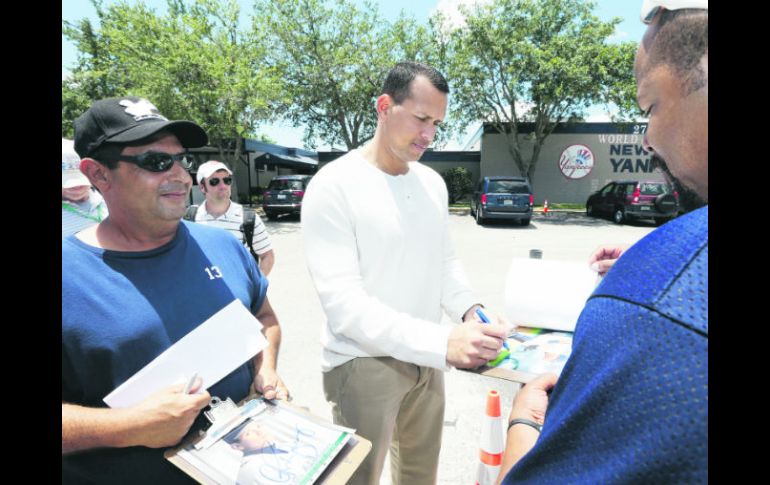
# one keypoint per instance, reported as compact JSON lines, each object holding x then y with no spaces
{"x":135,"y":284}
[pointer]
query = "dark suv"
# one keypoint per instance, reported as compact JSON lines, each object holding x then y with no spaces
{"x":627,"y":200}
{"x":284,"y":195}
{"x":503,"y":198}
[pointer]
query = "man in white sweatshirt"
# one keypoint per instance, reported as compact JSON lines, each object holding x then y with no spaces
{"x":375,"y":227}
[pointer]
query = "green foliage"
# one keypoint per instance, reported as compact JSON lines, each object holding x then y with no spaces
{"x":192,"y":62}
{"x":540,"y":61}
{"x":316,"y":63}
{"x":333,"y":57}
{"x":458,"y":182}
{"x":97,"y":74}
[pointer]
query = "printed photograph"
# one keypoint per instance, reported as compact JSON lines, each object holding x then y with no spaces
{"x":276,"y":446}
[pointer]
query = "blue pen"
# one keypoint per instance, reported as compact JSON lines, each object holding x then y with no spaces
{"x":484,"y":319}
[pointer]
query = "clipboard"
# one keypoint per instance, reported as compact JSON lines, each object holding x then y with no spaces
{"x":338,"y":471}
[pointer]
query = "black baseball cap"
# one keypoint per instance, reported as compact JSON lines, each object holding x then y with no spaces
{"x":128,"y":119}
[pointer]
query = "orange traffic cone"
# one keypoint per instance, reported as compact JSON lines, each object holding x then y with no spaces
{"x":491,"y":454}
{"x":545,"y":208}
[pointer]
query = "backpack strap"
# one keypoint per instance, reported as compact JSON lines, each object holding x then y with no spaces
{"x":190,"y":214}
{"x":247,"y":229}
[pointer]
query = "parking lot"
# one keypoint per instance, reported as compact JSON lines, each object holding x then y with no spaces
{"x":485,"y":252}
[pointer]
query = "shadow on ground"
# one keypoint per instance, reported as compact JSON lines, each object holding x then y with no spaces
{"x":287,"y":224}
{"x":563,"y":218}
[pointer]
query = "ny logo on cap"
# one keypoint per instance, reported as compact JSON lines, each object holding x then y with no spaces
{"x":142,"y":110}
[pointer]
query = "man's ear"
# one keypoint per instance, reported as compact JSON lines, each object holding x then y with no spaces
{"x":384,"y":102}
{"x":202,"y":186}
{"x":99,"y":175}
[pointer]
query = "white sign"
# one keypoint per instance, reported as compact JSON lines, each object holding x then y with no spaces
{"x":576,"y":161}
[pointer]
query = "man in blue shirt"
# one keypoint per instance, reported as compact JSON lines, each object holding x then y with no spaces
{"x":135,"y":284}
{"x":631,"y":405}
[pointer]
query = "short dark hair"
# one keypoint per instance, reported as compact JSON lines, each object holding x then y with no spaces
{"x":400,"y":77}
{"x":680,"y":41}
{"x":107,"y":153}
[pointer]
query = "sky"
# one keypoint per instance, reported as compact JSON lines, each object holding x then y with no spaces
{"x":630,"y":29}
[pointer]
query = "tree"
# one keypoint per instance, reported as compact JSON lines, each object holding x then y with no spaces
{"x":539,"y":61}
{"x":97,"y":75}
{"x":333,"y":58}
{"x":458,"y":182}
{"x":192,"y":63}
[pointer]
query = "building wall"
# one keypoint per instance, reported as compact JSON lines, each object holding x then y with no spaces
{"x":615,"y":155}
{"x":441,"y":167}
{"x":261,"y":173}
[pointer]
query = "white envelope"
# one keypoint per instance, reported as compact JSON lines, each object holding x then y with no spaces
{"x":212,"y":350}
{"x":547,"y":294}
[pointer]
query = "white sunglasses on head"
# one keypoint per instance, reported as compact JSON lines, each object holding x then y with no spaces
{"x":650,"y":7}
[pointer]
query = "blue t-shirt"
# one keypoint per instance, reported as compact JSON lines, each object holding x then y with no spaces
{"x":120,"y":310}
{"x":631,"y":405}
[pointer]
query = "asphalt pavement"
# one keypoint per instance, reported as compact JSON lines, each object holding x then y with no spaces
{"x":485,"y":252}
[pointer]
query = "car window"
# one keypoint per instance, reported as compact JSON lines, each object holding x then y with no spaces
{"x":507,"y":187}
{"x":622,"y":190}
{"x":654,"y":189}
{"x":608,"y":189}
{"x":630,"y":189}
{"x":284,"y":184}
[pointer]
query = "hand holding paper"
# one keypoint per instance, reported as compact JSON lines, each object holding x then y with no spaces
{"x":270,"y":385}
{"x":604,"y":257}
{"x":163,"y":418}
{"x":213,"y":350}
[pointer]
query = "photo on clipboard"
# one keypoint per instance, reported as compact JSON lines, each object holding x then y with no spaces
{"x":538,"y":352}
{"x":277,"y":445}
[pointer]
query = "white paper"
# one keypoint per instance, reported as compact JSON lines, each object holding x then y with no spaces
{"x":213,"y":350}
{"x":547,"y":294}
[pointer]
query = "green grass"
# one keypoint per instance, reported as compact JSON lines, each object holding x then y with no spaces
{"x":564,"y":206}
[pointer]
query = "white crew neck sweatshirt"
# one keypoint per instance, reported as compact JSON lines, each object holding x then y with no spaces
{"x":380,"y":256}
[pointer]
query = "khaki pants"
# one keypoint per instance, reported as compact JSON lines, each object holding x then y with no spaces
{"x":397,"y":406}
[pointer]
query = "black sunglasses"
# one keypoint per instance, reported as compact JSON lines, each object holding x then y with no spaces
{"x":215,"y":181}
{"x":156,"y":161}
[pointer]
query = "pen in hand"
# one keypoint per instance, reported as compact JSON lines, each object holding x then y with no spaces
{"x":190,"y":383}
{"x":484,"y":319}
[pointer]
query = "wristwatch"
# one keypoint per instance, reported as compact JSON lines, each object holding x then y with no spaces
{"x":528,"y":422}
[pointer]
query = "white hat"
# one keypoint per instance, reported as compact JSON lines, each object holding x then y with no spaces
{"x":651,"y":7}
{"x":207,"y":169}
{"x":71,"y":176}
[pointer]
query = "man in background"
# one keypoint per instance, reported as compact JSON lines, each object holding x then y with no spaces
{"x":215,"y":180}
